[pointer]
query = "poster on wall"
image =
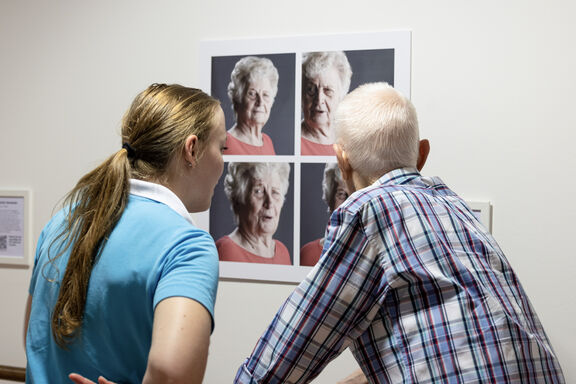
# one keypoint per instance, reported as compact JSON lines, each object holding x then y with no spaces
{"x":14,"y":227}
{"x":280,"y":183}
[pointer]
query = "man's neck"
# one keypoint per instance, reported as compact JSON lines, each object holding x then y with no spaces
{"x":359,"y":181}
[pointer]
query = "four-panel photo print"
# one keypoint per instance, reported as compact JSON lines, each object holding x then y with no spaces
{"x":281,"y":182}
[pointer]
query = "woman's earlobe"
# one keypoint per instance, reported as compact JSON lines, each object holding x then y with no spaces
{"x":191,"y":150}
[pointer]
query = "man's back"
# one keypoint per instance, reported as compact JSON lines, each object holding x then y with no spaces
{"x":419,"y":290}
{"x":451,"y":307}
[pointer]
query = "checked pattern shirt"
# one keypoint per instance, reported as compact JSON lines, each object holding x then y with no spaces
{"x":414,"y":284}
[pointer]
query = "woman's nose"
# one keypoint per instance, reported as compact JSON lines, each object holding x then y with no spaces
{"x":320,"y":98}
{"x":258,"y":98}
{"x":267,"y":199}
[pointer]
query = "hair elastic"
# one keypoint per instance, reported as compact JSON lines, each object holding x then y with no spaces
{"x":130,"y":150}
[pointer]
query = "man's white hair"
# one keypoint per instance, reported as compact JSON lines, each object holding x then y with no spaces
{"x":378,"y":128}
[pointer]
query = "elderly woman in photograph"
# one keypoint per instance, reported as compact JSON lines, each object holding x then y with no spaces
{"x":334,"y":193}
{"x":325,"y":81}
{"x":256,"y":192}
{"x":252,"y":89}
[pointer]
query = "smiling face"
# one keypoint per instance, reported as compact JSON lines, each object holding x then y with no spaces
{"x":320,"y":98}
{"x":255,"y":106}
{"x":260,"y":216}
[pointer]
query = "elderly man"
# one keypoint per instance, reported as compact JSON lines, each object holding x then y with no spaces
{"x":409,"y":279}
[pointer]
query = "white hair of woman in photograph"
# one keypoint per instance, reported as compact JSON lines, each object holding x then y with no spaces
{"x":334,"y":190}
{"x":256,"y":192}
{"x":334,"y":193}
{"x":326,"y":80}
{"x":379,"y":127}
{"x":252,"y":89}
{"x":314,"y":63}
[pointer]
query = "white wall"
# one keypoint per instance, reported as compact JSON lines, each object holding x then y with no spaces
{"x":493,"y":83}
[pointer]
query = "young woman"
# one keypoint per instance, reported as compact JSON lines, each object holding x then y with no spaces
{"x":123,"y":283}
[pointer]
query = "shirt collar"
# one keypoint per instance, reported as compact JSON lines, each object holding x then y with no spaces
{"x":161,"y":194}
{"x":411,"y":176}
{"x":398,"y":176}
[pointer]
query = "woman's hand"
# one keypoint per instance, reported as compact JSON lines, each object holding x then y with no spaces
{"x":357,"y":377}
{"x":79,"y":379}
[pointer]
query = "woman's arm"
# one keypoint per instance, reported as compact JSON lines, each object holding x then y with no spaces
{"x":27,"y":317}
{"x":356,"y":377}
{"x":180,"y":341}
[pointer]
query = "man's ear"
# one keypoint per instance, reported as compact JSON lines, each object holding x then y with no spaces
{"x":423,"y":151}
{"x":343,"y":163}
{"x":345,"y":168}
{"x":191,"y":150}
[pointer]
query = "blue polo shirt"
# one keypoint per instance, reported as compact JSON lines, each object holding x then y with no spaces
{"x":153,"y":253}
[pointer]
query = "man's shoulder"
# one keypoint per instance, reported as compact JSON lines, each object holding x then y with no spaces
{"x":374,"y":193}
{"x":363,"y":207}
{"x":391,"y":200}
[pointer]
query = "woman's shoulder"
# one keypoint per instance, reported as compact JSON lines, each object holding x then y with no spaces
{"x":225,"y":242}
{"x":311,"y":246}
{"x":310,"y":148}
{"x":147,"y":217}
{"x":238,"y":147}
{"x":280,"y":245}
{"x":157,"y":212}
{"x":310,"y":253}
{"x":282,"y":255}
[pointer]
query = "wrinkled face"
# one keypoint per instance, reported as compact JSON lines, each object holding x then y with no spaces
{"x":256,"y":103}
{"x":340,"y":195}
{"x":261,"y":214}
{"x":210,"y":165}
{"x":320,"y":98}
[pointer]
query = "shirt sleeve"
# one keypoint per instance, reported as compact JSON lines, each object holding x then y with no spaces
{"x":191,"y":271}
{"x":36,"y":268}
{"x":332,"y":307}
{"x":46,"y":248}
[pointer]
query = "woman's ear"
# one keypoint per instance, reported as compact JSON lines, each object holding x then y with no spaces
{"x":191,"y":150}
{"x":423,"y":151}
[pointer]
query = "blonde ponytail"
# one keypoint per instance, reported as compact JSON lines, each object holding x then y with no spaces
{"x":154,"y":129}
{"x":96,"y":204}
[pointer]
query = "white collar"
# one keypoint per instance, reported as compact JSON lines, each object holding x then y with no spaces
{"x":161,"y":194}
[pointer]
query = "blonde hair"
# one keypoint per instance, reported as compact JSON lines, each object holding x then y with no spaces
{"x":153,"y":130}
{"x":378,"y":129}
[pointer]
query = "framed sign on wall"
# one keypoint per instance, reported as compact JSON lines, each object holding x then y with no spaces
{"x":483,"y":212}
{"x":15,"y":224}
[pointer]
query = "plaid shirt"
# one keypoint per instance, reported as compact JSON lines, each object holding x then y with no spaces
{"x":417,"y":288}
